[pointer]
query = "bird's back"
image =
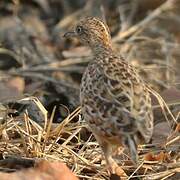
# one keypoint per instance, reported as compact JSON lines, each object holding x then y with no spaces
{"x":115,"y":101}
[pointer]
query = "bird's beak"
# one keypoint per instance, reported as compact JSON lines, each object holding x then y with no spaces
{"x":69,"y":34}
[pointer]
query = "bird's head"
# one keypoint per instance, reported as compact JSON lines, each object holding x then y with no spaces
{"x":92,"y":32}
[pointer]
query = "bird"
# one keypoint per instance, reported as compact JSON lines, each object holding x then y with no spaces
{"x":114,"y":99}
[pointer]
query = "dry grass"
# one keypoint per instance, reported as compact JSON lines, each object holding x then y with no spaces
{"x":66,"y":142}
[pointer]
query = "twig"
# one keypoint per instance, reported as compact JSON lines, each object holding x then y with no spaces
{"x":45,"y":78}
{"x":14,"y":161}
{"x":164,"y":7}
{"x":71,"y":69}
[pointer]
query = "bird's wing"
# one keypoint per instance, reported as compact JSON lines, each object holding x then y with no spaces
{"x":129,"y":94}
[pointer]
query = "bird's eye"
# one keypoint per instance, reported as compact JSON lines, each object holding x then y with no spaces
{"x":79,"y":29}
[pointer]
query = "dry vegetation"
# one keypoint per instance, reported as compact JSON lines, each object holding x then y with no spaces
{"x":40,"y":72}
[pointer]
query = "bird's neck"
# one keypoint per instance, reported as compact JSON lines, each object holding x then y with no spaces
{"x":101,"y":50}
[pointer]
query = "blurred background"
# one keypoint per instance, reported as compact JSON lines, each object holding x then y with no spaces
{"x":35,"y":55}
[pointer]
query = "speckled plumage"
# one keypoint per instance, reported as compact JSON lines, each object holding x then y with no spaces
{"x":114,"y":99}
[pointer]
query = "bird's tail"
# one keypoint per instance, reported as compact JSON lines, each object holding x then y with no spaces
{"x":132,"y":146}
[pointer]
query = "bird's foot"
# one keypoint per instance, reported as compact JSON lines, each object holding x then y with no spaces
{"x":115,"y":169}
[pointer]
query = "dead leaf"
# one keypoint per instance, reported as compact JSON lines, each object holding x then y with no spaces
{"x":171,"y":96}
{"x":18,"y":83}
{"x":162,"y":156}
{"x":161,"y":132}
{"x":8,"y":92}
{"x":43,"y":170}
{"x":177,"y":128}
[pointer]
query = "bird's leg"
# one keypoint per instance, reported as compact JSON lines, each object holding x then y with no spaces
{"x":132,"y":146}
{"x":108,"y":151}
